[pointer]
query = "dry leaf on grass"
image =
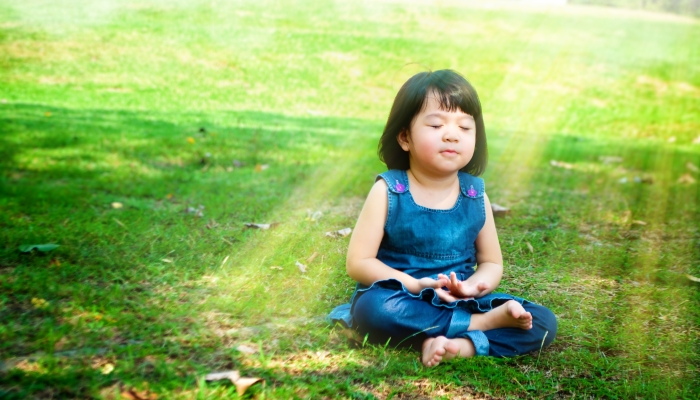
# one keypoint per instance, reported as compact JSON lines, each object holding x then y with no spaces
{"x":167,"y":260}
{"x":135,"y":394}
{"x":692,"y":278}
{"x":686,"y":178}
{"x":313,"y":216}
{"x":529,"y":247}
{"x":301,"y":266}
{"x":499,"y":211}
{"x":261,"y":226}
{"x":190,"y":140}
{"x":242,"y":383}
{"x":246,"y":349}
{"x":276,"y":267}
{"x":339,"y":233}
{"x":638,"y":222}
{"x":117,"y":205}
{"x":261,"y":167}
{"x":560,"y":164}
{"x":107,"y":369}
{"x":311,"y":257}
{"x":39,"y":303}
{"x":198,"y":212}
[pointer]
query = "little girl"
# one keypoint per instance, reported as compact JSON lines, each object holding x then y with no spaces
{"x":426,"y":224}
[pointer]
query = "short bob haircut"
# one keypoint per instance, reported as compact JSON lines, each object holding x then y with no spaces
{"x":453,"y":92}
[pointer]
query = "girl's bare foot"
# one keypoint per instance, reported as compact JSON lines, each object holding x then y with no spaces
{"x":441,"y":348}
{"x":508,"y":315}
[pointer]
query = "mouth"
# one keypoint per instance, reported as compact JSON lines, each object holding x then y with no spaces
{"x":449,"y":151}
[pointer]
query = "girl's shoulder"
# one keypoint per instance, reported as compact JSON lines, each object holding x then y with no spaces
{"x":396,"y":180}
{"x":471,"y":186}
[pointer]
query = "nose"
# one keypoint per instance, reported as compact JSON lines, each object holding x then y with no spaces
{"x":451,"y":134}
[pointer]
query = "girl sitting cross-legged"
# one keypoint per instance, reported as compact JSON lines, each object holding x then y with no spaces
{"x":425,"y":227}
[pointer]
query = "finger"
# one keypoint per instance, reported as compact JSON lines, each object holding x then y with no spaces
{"x":444,"y":296}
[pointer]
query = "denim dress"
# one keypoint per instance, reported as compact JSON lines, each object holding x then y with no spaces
{"x":425,"y":242}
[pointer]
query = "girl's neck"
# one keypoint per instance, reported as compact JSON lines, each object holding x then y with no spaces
{"x":432,"y":181}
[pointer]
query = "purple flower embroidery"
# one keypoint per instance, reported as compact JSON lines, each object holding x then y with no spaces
{"x":471,"y":192}
{"x":399,"y":187}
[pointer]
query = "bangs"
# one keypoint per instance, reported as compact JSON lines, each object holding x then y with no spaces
{"x":453,"y":98}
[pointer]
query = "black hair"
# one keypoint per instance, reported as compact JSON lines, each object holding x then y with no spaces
{"x":453,"y":92}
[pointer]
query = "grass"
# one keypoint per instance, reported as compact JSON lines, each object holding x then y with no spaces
{"x":148,"y":104}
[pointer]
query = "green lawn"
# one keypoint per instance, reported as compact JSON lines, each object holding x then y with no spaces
{"x":263,"y":112}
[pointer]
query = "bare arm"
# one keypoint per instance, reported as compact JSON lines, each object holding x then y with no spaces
{"x":362,"y":264}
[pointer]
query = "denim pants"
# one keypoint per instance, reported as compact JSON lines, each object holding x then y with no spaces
{"x":386,"y":314}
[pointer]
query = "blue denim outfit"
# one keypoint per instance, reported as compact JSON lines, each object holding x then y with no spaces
{"x":424,"y":242}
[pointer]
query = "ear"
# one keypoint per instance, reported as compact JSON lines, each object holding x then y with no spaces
{"x":404,"y":139}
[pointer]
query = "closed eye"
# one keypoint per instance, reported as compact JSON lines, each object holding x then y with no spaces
{"x":435,"y":126}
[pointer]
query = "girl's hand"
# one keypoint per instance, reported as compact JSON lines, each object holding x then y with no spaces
{"x":458,"y":290}
{"x":424,"y":283}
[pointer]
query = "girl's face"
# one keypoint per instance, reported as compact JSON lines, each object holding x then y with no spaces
{"x":439,"y":141}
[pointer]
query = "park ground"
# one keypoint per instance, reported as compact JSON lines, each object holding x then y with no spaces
{"x":142,"y":136}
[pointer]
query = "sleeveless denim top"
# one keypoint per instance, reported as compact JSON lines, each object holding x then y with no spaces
{"x":424,"y":242}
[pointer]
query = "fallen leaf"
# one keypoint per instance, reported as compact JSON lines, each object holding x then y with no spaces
{"x":198,"y":212}
{"x":169,"y":196}
{"x":610,"y":159}
{"x":242,"y":383}
{"x":339,"y":233}
{"x":499,"y":211}
{"x":647,"y":179}
{"x":261,"y":167}
{"x":233,"y":376}
{"x":190,"y":140}
{"x":638,"y":222}
{"x":276,"y":267}
{"x":246,"y":349}
{"x":529,"y":247}
{"x":117,"y":205}
{"x":692,"y":167}
{"x":560,"y":164}
{"x":692,"y":278}
{"x":311,"y":257}
{"x":107,"y":369}
{"x":39,"y":303}
{"x":167,"y":260}
{"x":313,"y":216}
{"x":27,"y":248}
{"x":262,"y":226}
{"x":301,"y":266}
{"x":686,"y":178}
{"x":55,"y":263}
{"x":136,"y":394}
